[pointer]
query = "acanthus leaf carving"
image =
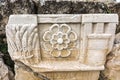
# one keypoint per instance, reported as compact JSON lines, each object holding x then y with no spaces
{"x":22,"y":40}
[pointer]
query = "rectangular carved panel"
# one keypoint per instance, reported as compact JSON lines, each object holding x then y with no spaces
{"x":61,"y":42}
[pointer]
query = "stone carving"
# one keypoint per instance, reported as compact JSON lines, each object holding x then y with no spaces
{"x":46,"y":43}
{"x":22,"y":41}
{"x":112,"y":71}
{"x":5,"y":73}
{"x":60,"y":37}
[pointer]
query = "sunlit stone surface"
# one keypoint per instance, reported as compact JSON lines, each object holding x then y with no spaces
{"x":61,"y":46}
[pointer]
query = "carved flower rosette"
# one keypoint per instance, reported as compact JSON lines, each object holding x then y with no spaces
{"x":59,"y":40}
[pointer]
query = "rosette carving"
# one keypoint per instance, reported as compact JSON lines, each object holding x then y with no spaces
{"x":59,"y":40}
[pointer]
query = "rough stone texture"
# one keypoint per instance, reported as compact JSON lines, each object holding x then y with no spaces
{"x":72,"y":38}
{"x":65,"y":7}
{"x":23,"y":7}
{"x":112,"y":71}
{"x":24,"y":72}
{"x":105,"y":1}
{"x":53,"y":7}
{"x":8,"y":7}
{"x":5,"y":73}
{"x":115,"y":8}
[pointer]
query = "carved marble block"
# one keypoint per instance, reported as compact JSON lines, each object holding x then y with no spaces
{"x":62,"y":45}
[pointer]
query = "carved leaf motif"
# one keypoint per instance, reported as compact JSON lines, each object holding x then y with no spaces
{"x":11,"y":39}
{"x":22,"y":40}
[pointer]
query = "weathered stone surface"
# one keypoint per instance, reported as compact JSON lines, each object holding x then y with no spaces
{"x":23,"y":7}
{"x":5,"y":73}
{"x":46,"y":43}
{"x":115,"y":8}
{"x":112,"y":71}
{"x":8,"y":7}
{"x":105,"y":1}
{"x":65,"y":7}
{"x":24,"y":72}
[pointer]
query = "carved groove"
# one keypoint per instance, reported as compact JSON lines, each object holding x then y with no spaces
{"x":22,"y":40}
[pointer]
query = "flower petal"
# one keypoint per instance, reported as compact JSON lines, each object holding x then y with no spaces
{"x":60,"y":46}
{"x":55,"y":53}
{"x":72,"y":36}
{"x":71,"y":45}
{"x":67,"y":41}
{"x":59,"y":34}
{"x":54,"y":28}
{"x":65,"y":28}
{"x":47,"y":46}
{"x":55,"y":36}
{"x":55,"y":46}
{"x":65,"y":53}
{"x":47,"y":36}
{"x":65,"y":45}
{"x":64,"y":37}
{"x":53,"y":41}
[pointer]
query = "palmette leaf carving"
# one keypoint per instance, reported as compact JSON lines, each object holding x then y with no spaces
{"x":59,"y":37}
{"x":22,"y":41}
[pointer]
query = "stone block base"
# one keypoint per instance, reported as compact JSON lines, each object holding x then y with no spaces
{"x":85,"y":75}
